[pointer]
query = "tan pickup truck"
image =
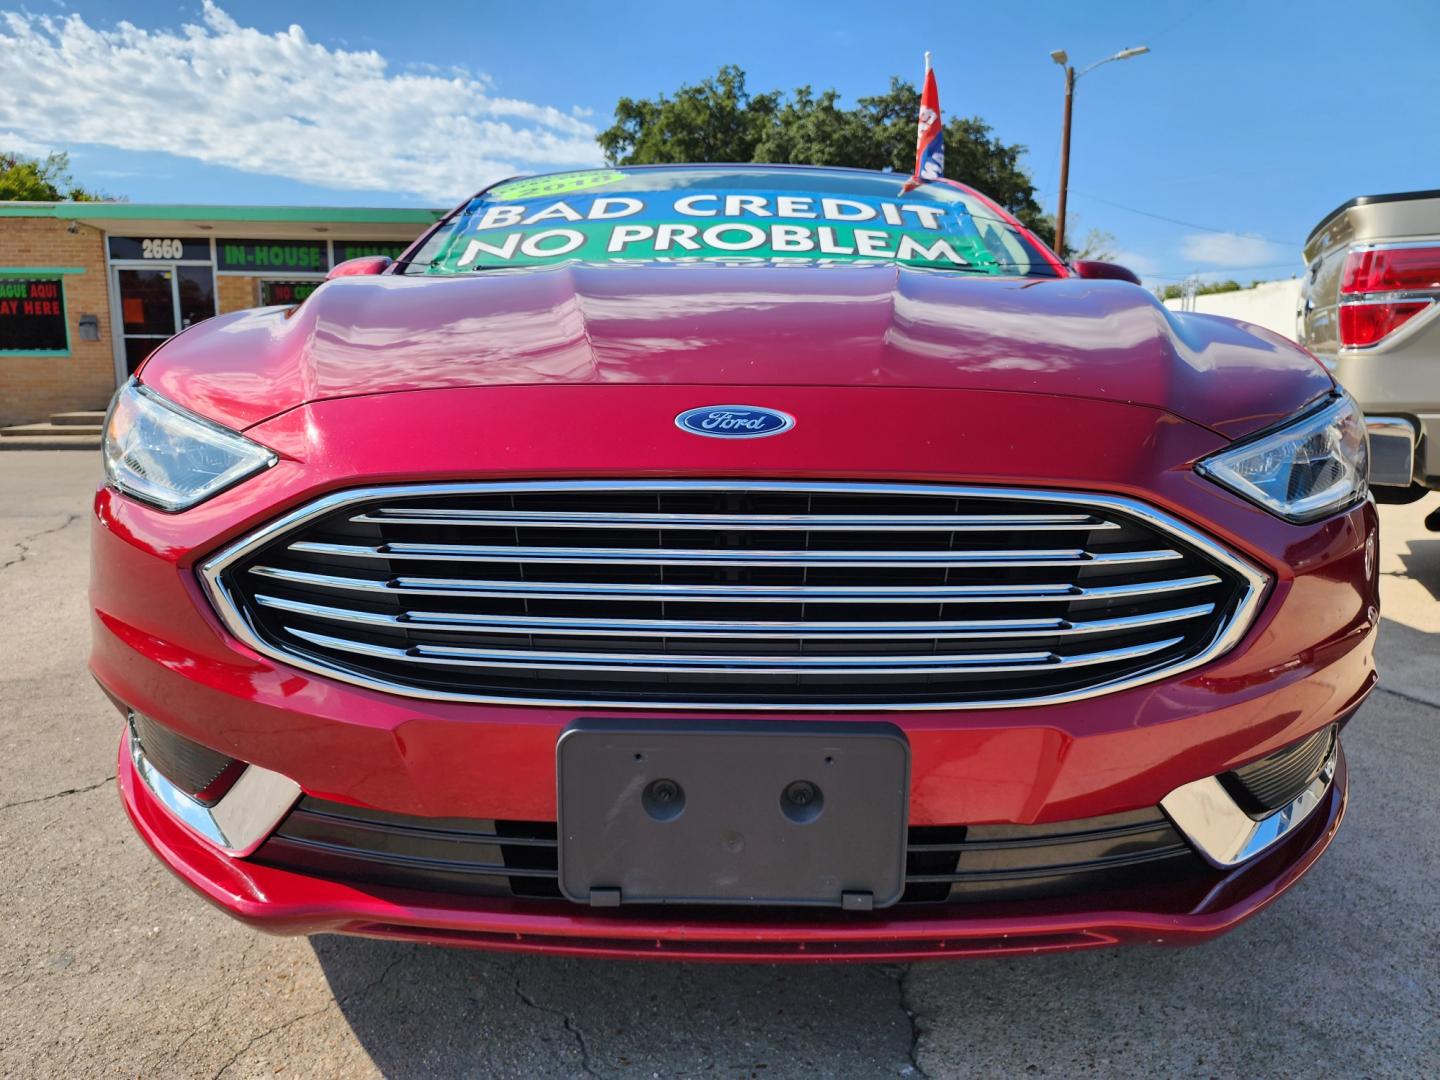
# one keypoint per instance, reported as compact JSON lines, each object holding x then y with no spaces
{"x":1370,"y":310}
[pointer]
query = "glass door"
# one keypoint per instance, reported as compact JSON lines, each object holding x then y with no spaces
{"x":157,"y":302}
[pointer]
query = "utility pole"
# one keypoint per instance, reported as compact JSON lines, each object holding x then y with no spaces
{"x":1064,"y":161}
{"x":1071,"y":76}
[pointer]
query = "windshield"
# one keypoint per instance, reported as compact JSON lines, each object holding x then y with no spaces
{"x":728,"y":215}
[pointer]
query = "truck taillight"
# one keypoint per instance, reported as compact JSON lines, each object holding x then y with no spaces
{"x":1367,"y":322}
{"x":1390,"y":270}
{"x":1367,"y":318}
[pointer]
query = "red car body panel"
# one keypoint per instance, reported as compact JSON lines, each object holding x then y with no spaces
{"x":871,"y":326}
{"x":577,"y":372}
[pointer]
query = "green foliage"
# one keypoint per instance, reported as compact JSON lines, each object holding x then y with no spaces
{"x":35,"y":180}
{"x":1175,"y":292}
{"x":812,"y":130}
{"x":720,"y":120}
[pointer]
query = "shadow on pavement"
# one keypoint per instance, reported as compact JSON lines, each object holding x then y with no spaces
{"x":426,"y":1012}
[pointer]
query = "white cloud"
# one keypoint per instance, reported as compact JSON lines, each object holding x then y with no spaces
{"x":1232,"y":249}
{"x":277,"y":104}
{"x":20,"y":144}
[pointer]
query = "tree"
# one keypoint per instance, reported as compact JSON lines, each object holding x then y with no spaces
{"x":814,"y":130}
{"x":1098,"y":244}
{"x":715,"y":121}
{"x":36,"y":180}
{"x":720,"y":120}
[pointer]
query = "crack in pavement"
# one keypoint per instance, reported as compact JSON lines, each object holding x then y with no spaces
{"x":582,"y":1044}
{"x":59,"y":794}
{"x":902,"y":984}
{"x":276,"y":1030}
{"x":333,"y":1003}
{"x":25,"y":541}
{"x":217,"y":1004}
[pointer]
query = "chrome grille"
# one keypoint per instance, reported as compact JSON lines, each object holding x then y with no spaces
{"x":721,"y":594}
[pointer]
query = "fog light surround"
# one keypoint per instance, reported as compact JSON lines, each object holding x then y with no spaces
{"x":239,"y":820}
{"x":1221,"y":829}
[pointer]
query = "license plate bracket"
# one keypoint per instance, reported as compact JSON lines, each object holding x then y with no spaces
{"x":760,"y":812}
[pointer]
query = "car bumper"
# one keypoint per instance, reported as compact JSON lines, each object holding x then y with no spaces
{"x":280,"y":901}
{"x":1404,"y":450}
{"x":1304,"y":664}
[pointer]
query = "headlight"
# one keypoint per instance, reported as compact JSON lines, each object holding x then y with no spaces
{"x":1311,"y":467}
{"x":174,"y":459}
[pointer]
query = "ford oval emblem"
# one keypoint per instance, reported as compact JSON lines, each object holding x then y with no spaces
{"x":734,"y":421}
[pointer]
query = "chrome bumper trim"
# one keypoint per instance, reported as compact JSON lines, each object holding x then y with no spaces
{"x":240,"y":821}
{"x":1392,"y":450}
{"x":1224,"y":834}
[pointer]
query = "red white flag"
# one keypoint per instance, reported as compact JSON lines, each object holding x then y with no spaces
{"x":930,"y":139}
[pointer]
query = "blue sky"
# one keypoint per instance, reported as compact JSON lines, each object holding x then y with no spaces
{"x":1246,"y":123}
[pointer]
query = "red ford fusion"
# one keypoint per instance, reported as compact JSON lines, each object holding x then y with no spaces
{"x":739,"y":562}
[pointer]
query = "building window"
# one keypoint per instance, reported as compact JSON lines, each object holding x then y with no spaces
{"x":32,"y":316}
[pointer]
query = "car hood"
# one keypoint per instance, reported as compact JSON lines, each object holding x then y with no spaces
{"x":737,"y":327}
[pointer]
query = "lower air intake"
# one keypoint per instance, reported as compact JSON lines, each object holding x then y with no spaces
{"x":944,"y":864}
{"x":203,"y":774}
{"x":1276,"y":780}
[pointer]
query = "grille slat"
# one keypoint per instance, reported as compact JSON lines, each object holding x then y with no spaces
{"x":743,"y":557}
{"x":459,"y":622}
{"x":715,"y":594}
{"x":972,"y":663}
{"x":732,"y":522}
{"x":1043,"y":839}
{"x":948,"y":594}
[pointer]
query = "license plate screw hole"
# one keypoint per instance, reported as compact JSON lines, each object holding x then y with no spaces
{"x":801,"y":801}
{"x":663,"y":799}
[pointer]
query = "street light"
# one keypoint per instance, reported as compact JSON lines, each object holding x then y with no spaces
{"x":1063,"y":59}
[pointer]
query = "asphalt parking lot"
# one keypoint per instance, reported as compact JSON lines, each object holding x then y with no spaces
{"x":110,"y":967}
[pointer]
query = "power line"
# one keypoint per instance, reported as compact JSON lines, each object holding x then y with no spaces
{"x":1178,"y":221}
{"x":1190,"y":10}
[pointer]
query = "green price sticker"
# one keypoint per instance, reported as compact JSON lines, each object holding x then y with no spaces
{"x":560,"y":184}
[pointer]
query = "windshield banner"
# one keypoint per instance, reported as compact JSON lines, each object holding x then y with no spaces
{"x":724,"y":225}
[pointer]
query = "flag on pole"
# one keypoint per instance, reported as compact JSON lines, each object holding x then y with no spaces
{"x":930,"y":140}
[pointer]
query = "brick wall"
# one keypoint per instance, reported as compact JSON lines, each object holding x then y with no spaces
{"x":234,"y":293}
{"x":33,"y":387}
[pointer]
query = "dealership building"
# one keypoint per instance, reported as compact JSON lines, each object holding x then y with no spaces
{"x":87,"y":290}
